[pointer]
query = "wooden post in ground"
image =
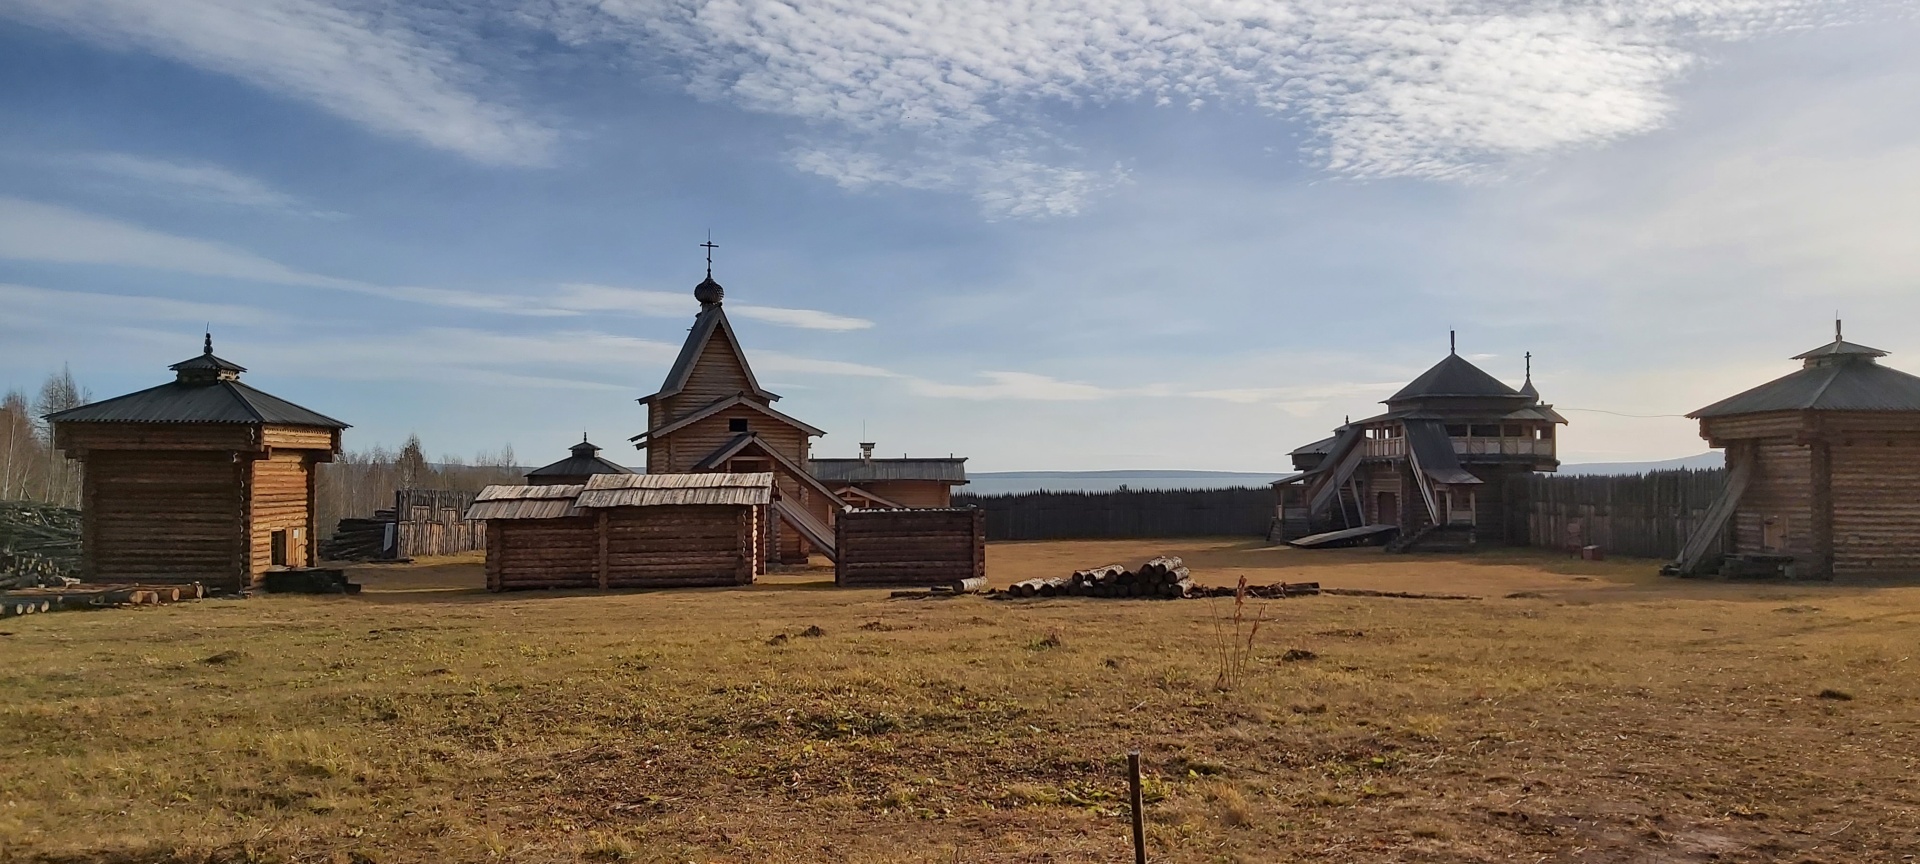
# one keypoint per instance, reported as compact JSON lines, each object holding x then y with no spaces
{"x":1139,"y":822}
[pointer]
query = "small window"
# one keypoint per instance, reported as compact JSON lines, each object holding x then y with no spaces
{"x":1486,"y":431}
{"x":1456,"y":431}
{"x":737,"y":424}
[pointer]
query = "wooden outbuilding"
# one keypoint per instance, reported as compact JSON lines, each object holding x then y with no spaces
{"x":1823,"y":472}
{"x":889,"y":484}
{"x":910,"y":547}
{"x":584,"y":461}
{"x":627,"y":531}
{"x":202,"y":479}
{"x":1434,"y":466}
{"x":711,"y":414}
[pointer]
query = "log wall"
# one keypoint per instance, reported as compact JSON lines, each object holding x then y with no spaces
{"x":1876,"y":505}
{"x":280,"y":499}
{"x":668,"y":547}
{"x":542,"y":553}
{"x":910,"y":547}
{"x":1776,"y":514}
{"x":77,"y":440}
{"x":165,"y":517}
{"x":911,"y":493}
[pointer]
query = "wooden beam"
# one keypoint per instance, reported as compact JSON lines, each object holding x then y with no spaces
{"x":1711,"y":526}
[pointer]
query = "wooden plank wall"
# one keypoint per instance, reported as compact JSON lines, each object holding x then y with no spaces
{"x":1128,"y":513}
{"x":165,"y":517}
{"x":910,"y":547}
{"x":1638,"y":515}
{"x":433,"y":522}
{"x":672,"y":547}
{"x":542,"y":553}
{"x":1781,"y":495}
{"x":910,"y":493}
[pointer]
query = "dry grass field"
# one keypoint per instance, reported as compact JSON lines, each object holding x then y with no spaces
{"x":1583,"y":712}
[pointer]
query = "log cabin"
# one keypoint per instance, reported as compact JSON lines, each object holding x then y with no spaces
{"x":1823,"y":472}
{"x":1433,"y":466}
{"x":202,"y":479}
{"x":711,"y":414}
{"x":626,"y":531}
{"x":584,"y":461}
{"x":868,"y":483}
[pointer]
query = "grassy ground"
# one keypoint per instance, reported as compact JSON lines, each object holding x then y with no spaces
{"x":1580,"y":711}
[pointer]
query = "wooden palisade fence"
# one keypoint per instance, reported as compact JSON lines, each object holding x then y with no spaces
{"x":1639,"y":515}
{"x":1125,"y":513}
{"x":433,"y":522}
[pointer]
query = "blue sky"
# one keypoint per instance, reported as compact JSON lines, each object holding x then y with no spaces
{"x":1085,"y":234}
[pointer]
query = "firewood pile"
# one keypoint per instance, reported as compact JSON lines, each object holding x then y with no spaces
{"x":358,"y":539}
{"x":28,"y":601}
{"x":39,"y":545}
{"x":1165,"y":578}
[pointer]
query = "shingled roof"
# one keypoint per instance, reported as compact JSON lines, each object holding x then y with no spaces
{"x":206,"y":389}
{"x":712,"y":319}
{"x":1838,"y":376}
{"x":1454,"y":377}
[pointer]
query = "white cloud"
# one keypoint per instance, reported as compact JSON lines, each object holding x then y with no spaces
{"x":185,"y":180}
{"x":364,"y":67}
{"x":935,"y":94}
{"x":68,"y":306}
{"x":588,"y":297}
{"x":1024,"y":386}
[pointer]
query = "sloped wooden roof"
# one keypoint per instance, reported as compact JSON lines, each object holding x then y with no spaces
{"x":525,"y":502}
{"x":206,"y":389}
{"x":711,"y":320}
{"x":658,"y":490}
{"x":719,"y":405}
{"x":952,"y":470}
{"x":1840,"y":376}
{"x":1454,"y":377}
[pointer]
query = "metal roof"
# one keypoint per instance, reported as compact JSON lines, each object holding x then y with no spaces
{"x":525,"y":502}
{"x":1454,"y":376}
{"x":1322,"y":446}
{"x":654,"y":490}
{"x":584,"y":461}
{"x":1840,"y":347}
{"x":951,"y":470}
{"x":710,"y":320}
{"x":223,"y":401}
{"x":1855,"y":383}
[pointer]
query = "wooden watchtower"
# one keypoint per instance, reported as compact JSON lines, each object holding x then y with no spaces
{"x":1434,"y":465}
{"x":1823,"y":471}
{"x":203,"y":479}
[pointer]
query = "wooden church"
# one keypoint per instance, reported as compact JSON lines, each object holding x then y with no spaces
{"x":711,"y":414}
{"x":1433,"y":466}
{"x":1823,"y":472}
{"x":201,"y":479}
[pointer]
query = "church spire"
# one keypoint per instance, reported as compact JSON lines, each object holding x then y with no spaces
{"x":1527,"y":389}
{"x":709,"y":292}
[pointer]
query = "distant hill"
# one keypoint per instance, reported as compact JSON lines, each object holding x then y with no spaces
{"x":1710,"y":459}
{"x":1016,"y":482}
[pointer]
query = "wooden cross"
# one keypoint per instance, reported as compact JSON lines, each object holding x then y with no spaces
{"x":710,"y":246}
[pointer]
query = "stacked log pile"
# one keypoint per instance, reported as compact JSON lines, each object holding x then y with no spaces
{"x":359,"y":539}
{"x":1165,"y":578}
{"x":27,"y":601}
{"x":39,"y":545}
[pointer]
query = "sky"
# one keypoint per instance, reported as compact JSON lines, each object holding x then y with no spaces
{"x":1044,"y":235}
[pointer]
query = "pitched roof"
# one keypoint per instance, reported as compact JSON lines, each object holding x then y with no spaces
{"x":747,"y":440}
{"x":1433,"y":452}
{"x":658,"y":490}
{"x":1453,"y":376}
{"x":212,"y":402}
{"x":525,"y":502}
{"x":950,"y":470}
{"x":1322,"y":446}
{"x":717,"y":406}
{"x":205,"y":389}
{"x":712,"y":319}
{"x":1840,"y":376}
{"x":586,"y":459}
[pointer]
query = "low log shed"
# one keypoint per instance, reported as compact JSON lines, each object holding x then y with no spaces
{"x":627,"y":531}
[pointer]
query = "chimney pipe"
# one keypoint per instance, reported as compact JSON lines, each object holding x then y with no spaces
{"x":866,"y":451}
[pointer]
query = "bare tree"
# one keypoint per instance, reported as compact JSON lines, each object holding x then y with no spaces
{"x":19,"y":447}
{"x":58,"y":393}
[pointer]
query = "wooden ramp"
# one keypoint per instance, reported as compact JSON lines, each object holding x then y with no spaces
{"x":1360,"y":536}
{"x":818,"y":536}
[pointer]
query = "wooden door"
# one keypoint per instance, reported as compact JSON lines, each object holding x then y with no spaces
{"x":1387,"y":508}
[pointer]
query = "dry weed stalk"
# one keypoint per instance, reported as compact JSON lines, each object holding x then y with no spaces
{"x":1233,"y":646}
